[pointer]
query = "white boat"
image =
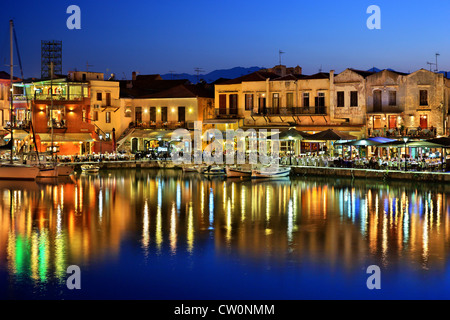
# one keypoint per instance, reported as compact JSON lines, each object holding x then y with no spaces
{"x":214,"y":171}
{"x":271,"y":173}
{"x":90,"y":168}
{"x":18,"y":172}
{"x":187,"y":168}
{"x":238,"y":172}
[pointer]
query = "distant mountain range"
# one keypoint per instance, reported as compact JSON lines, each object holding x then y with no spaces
{"x":212,"y":76}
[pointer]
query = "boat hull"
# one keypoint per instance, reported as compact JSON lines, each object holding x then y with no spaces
{"x":236,"y":173}
{"x":271,"y":174}
{"x":64,"y":171}
{"x":48,"y":173}
{"x":18,"y":172}
{"x":90,"y":169}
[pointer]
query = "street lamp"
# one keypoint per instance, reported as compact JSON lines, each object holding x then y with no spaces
{"x":406,"y":162}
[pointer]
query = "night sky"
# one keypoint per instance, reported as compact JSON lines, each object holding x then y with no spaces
{"x":162,"y":36}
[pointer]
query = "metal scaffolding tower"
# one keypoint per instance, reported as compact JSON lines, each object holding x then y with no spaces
{"x":51,"y":51}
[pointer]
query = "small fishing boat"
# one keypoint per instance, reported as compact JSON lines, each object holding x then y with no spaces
{"x":188,"y":169}
{"x":271,"y":173}
{"x":90,"y":168}
{"x":214,"y":171}
{"x":234,"y":172}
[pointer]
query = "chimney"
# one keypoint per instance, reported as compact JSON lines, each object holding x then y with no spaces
{"x":133,"y":77}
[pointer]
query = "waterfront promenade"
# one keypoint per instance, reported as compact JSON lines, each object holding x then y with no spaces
{"x":305,"y":171}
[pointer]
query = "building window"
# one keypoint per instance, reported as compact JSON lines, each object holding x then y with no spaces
{"x":424,"y":97}
{"x":341,"y":99}
{"x":276,"y":100}
{"x":95,"y":115}
{"x":152,"y":114}
{"x":377,"y":101}
{"x":108,"y":98}
{"x":306,"y":100}
{"x":181,"y":114}
{"x":320,"y":102}
{"x":423,"y":121}
{"x":392,"y":98}
{"x":164,"y":114}
{"x":99,"y":96}
{"x":128,"y":113}
{"x":377,"y":122}
{"x":248,"y":102}
{"x":233,"y":103}
{"x":290,"y":100}
{"x":108,"y":116}
{"x":353,"y":98}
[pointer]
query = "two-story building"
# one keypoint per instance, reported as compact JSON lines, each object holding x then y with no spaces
{"x":153,"y":108}
{"x":59,"y":110}
{"x":407,"y":105}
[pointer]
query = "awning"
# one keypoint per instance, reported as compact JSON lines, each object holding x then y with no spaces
{"x":17,"y":135}
{"x":220,"y":121}
{"x":65,"y":137}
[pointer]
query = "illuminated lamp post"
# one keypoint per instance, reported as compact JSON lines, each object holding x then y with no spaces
{"x":406,"y":162}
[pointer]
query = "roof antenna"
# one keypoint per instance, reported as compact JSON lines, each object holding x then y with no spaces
{"x":279,"y":55}
{"x":437,"y":55}
{"x":198,"y":70}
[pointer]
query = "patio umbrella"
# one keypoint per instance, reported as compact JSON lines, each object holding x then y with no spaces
{"x":444,"y":141}
{"x":330,"y":135}
{"x":293,"y":134}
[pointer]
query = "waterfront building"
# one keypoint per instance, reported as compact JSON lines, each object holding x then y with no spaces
{"x":5,"y":86}
{"x":154,"y":108}
{"x":62,"y":103}
{"x":407,"y":105}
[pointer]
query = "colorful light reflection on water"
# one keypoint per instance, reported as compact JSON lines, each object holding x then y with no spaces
{"x":168,"y":235}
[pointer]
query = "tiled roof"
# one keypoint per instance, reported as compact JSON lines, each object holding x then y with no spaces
{"x":362,"y":73}
{"x":255,"y":76}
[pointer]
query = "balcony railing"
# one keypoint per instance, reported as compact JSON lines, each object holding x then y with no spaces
{"x":159,"y":125}
{"x":48,"y":97}
{"x":226,"y":113}
{"x":291,"y":111}
{"x":408,"y":132}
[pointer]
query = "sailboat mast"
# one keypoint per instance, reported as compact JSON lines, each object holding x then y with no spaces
{"x":11,"y":26}
{"x":51,"y":109}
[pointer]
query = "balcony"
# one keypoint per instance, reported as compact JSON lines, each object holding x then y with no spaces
{"x":223,"y":113}
{"x":159,"y":125}
{"x":305,"y":111}
{"x":412,"y":133}
{"x":48,"y":97}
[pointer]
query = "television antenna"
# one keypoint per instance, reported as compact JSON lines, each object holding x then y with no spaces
{"x":437,"y":55}
{"x":431,"y":64}
{"x":87,"y":66}
{"x":279,"y":55}
{"x":171,"y":73}
{"x":198,"y":70}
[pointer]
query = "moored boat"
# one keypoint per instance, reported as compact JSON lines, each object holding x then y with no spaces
{"x":18,"y":172}
{"x":64,"y":171}
{"x":271,"y":173}
{"x":238,"y":172}
{"x":90,"y":168}
{"x":214,"y":171}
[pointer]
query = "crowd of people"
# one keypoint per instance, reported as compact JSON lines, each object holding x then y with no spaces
{"x":375,"y":163}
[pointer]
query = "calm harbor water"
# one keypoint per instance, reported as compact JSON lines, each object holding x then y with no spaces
{"x":167,"y":235}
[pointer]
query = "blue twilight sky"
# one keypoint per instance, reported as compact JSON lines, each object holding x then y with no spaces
{"x":178,"y":35}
